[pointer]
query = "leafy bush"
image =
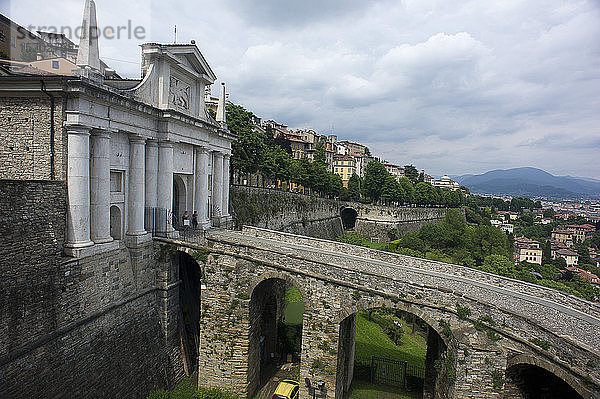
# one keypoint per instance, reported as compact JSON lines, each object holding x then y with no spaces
{"x":160,"y":394}
{"x":213,"y":393}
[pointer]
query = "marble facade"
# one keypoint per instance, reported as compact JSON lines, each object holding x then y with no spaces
{"x":142,"y":152}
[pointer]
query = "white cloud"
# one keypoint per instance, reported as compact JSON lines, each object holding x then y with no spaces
{"x":452,"y":87}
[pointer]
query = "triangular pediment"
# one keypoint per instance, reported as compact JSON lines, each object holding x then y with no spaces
{"x":184,"y":56}
{"x":191,"y":59}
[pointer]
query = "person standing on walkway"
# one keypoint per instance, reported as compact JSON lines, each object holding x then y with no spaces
{"x":195,"y":220}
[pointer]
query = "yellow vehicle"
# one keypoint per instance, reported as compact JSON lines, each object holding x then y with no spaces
{"x":287,"y":389}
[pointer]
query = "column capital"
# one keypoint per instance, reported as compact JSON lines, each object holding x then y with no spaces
{"x":78,"y":129}
{"x":100,"y":133}
{"x":226,"y":155}
{"x":152,"y":142}
{"x":165,"y":143}
{"x":136,"y":139}
{"x":201,"y":149}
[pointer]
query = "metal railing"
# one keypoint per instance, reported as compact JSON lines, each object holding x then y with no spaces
{"x":164,"y":223}
{"x":388,"y":371}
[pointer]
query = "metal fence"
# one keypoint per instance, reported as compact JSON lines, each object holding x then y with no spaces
{"x":164,"y":223}
{"x":388,"y":371}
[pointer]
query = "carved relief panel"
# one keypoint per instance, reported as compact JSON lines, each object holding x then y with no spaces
{"x":179,"y":94}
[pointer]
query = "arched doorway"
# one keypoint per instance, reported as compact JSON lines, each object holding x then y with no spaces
{"x":349,"y":216}
{"x":179,"y":200}
{"x":275,"y":340}
{"x":388,"y":349}
{"x":190,"y":275}
{"x":116,"y":223}
{"x":525,"y":380}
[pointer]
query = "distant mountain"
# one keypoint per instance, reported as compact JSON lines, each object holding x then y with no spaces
{"x":530,"y":182}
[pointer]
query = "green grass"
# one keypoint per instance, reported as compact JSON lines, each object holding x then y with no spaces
{"x":366,"y":390}
{"x":294,"y":307}
{"x":186,"y":388}
{"x":293,"y":295}
{"x":293,"y":313}
{"x":371,"y":340}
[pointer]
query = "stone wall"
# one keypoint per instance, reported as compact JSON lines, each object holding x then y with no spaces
{"x":77,"y":327}
{"x":389,"y":223}
{"x":25,"y":147}
{"x":283,"y":211}
{"x":321,"y":218}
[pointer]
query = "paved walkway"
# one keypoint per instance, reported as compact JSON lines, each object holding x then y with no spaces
{"x":287,"y":371}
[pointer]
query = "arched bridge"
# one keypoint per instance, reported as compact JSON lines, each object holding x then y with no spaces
{"x":489,"y":336}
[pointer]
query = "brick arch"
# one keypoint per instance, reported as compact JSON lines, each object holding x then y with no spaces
{"x":526,"y":359}
{"x":380,"y":302}
{"x":271,"y":274}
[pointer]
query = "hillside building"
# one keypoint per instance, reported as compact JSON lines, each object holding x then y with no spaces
{"x":527,"y":250}
{"x":447,"y":183}
{"x":345,"y":166}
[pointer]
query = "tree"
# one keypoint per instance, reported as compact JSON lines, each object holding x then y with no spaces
{"x":549,"y":213}
{"x":354,"y":187}
{"x":424,"y":193}
{"x":482,"y":241}
{"x":375,"y":177}
{"x":335,"y":185}
{"x":320,"y":156}
{"x":497,"y":264}
{"x":412,"y":173}
{"x":276,"y":163}
{"x":408,"y":190}
{"x":248,"y":150}
{"x":391,"y":190}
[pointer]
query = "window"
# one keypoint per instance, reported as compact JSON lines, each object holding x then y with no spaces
{"x":2,"y":35}
{"x":55,"y":65}
{"x":116,"y":181}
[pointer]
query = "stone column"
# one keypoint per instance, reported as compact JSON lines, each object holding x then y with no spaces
{"x":151,"y":182}
{"x":165,"y":185}
{"x":217,"y":189}
{"x":100,"y":187}
{"x":78,"y":189}
{"x":137,"y":179}
{"x":226,"y":184}
{"x":201,"y":176}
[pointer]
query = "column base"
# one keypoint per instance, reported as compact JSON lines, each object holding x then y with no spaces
{"x":136,"y":239}
{"x":102,"y":240}
{"x":204,"y":224}
{"x":89,"y":250}
{"x":222,"y":221}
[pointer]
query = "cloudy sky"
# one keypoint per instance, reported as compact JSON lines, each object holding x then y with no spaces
{"x":452,"y":87}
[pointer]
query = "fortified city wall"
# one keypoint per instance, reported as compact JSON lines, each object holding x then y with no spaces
{"x":77,"y":328}
{"x":322,"y":218}
{"x":288,"y":212}
{"x":387,"y":223}
{"x":25,"y":153}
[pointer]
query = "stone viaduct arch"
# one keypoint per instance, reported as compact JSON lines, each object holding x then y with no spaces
{"x":564,"y":385}
{"x":348,"y":216}
{"x":505,"y":319}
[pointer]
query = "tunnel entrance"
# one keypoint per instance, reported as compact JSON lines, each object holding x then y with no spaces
{"x":190,"y":275}
{"x":275,"y":341}
{"x":389,"y":351}
{"x":349,"y":216}
{"x":534,"y":382}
